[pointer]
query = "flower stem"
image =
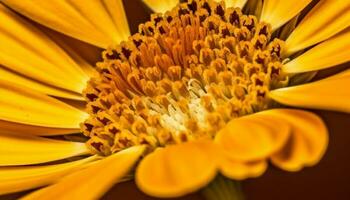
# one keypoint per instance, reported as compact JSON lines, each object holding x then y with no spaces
{"x":223,"y":189}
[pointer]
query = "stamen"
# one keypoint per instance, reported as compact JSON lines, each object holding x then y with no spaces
{"x":182,"y":77}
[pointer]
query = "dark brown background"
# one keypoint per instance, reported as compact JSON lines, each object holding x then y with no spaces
{"x":329,"y":180}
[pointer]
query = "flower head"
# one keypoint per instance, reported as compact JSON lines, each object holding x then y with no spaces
{"x":201,"y":89}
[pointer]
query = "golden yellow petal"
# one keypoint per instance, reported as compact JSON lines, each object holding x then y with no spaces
{"x":11,"y":127}
{"x":253,"y":137}
{"x":116,"y":11}
{"x":21,"y":105}
{"x":15,"y":78}
{"x":234,"y":3}
{"x":329,"y":94}
{"x":68,"y":45}
{"x":161,"y":6}
{"x":326,"y":19}
{"x":241,"y":170}
{"x":26,"y":150}
{"x":94,"y":181}
{"x":327,"y":54}
{"x":91,"y":21}
{"x":176,"y":170}
{"x":308,"y":141}
{"x":16,"y":179}
{"x":277,"y":12}
{"x":288,"y":28}
{"x":29,"y":52}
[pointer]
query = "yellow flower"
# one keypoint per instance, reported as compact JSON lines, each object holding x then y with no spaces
{"x":201,"y":89}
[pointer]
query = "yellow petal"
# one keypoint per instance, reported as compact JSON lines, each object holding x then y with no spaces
{"x":308,"y":141}
{"x":26,"y":150}
{"x":326,"y":19}
{"x":161,"y":6}
{"x":67,"y":44}
{"x":21,"y":105}
{"x":16,"y":179}
{"x":11,"y":127}
{"x":327,"y":54}
{"x":117,"y":13}
{"x":34,"y":85}
{"x":253,"y":137}
{"x":234,"y":3}
{"x":176,"y":170}
{"x":94,"y":181}
{"x":288,"y":28}
{"x":329,"y":94}
{"x":91,"y":21}
{"x":277,"y":13}
{"x":241,"y":170}
{"x":31,"y":53}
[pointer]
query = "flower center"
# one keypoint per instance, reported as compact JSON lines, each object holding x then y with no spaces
{"x":182,"y":77}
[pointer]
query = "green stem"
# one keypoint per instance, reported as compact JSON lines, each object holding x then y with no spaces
{"x":223,"y":189}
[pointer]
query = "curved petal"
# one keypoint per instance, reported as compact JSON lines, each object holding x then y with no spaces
{"x":328,"y":94}
{"x":326,"y":19}
{"x":161,"y":6}
{"x":117,"y":13}
{"x":68,"y":44}
{"x":277,"y":13}
{"x":7,"y":127}
{"x":26,"y":150}
{"x":31,"y":53}
{"x":235,"y":3}
{"x":16,"y":179}
{"x":176,"y":170}
{"x":34,"y":85}
{"x":76,"y":19}
{"x":241,"y":170}
{"x":308,"y":141}
{"x":21,"y":105}
{"x":327,"y":54}
{"x":253,"y":137}
{"x":92,"y":182}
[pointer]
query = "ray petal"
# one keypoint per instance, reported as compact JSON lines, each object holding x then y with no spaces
{"x":21,"y":105}
{"x":252,"y":137}
{"x":117,"y":13}
{"x":95,"y":180}
{"x":67,"y":44}
{"x":234,"y":3}
{"x":241,"y":170}
{"x":15,"y":78}
{"x":32,"y":54}
{"x":328,"y":94}
{"x":176,"y":170}
{"x":326,"y":19}
{"x":90,"y":21}
{"x":277,"y":13}
{"x":161,"y":6}
{"x":7,"y":127}
{"x":108,"y":16}
{"x":327,"y":54}
{"x":26,"y":150}
{"x":19,"y":178}
{"x":308,"y":141}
